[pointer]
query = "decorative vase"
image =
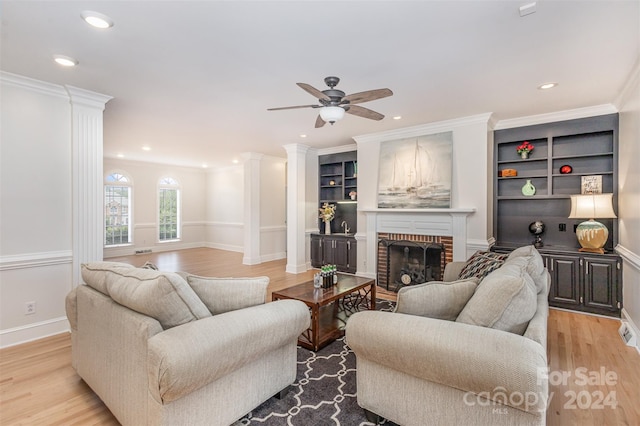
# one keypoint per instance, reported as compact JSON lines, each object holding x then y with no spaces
{"x":327,"y":227}
{"x":524,"y":154}
{"x":528,"y":189}
{"x":353,"y":197}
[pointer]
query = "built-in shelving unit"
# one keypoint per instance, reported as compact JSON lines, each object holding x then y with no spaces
{"x":337,"y":179}
{"x":580,"y":281}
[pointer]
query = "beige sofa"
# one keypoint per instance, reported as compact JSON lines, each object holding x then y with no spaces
{"x":459,"y":352}
{"x":163,"y":348}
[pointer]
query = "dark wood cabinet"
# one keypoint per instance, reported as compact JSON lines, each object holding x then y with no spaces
{"x":582,"y":281}
{"x":339,"y":250}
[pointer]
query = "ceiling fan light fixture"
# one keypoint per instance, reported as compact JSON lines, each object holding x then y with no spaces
{"x":331,"y":114}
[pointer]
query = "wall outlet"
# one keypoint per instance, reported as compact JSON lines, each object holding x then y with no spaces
{"x":30,"y":308}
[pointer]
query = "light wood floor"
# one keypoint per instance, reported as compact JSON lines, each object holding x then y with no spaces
{"x":39,"y":387}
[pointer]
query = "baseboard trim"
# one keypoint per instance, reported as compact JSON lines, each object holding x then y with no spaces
{"x":626,"y":318}
{"x":28,"y":333}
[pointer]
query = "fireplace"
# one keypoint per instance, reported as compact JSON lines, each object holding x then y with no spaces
{"x":410,"y":263}
{"x":421,"y":257}
{"x":441,"y":226}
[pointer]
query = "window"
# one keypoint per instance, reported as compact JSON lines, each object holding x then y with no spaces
{"x":117,"y":207}
{"x":169,"y":210}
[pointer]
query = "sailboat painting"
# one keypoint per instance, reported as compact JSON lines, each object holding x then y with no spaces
{"x":415,"y":172}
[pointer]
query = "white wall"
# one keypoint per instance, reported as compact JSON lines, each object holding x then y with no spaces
{"x":629,"y":198}
{"x":273,"y":227}
{"x":36,"y":209}
{"x":145,"y":179}
{"x":225,"y":208}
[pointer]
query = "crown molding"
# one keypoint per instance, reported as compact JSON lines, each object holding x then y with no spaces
{"x":424,"y":129}
{"x":337,"y":149}
{"x":33,"y":85}
{"x":552,"y":117}
{"x":87,"y":97}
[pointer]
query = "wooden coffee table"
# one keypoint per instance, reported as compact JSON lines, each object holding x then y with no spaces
{"x":330,"y":307}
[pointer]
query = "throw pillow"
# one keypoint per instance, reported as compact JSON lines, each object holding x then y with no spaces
{"x":164,"y":296}
{"x":481,"y":264}
{"x":535,"y":265}
{"x":229,"y":294}
{"x":505,"y":300}
{"x":436,"y":299}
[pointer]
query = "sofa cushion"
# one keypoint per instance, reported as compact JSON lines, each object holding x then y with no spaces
{"x":481,"y":263}
{"x":164,"y":296}
{"x":505,"y":299}
{"x":228,"y":294}
{"x":436,"y":299}
{"x":535,"y":265}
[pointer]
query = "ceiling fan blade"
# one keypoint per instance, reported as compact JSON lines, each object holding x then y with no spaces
{"x":294,"y":107}
{"x":315,"y":92}
{"x":364,"y":112}
{"x":319,"y":122}
{"x":369,"y":95}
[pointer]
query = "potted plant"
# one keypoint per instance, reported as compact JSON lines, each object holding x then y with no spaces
{"x":524,"y":149}
{"x":353,"y":195}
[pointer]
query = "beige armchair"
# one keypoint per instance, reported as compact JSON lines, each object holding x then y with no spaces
{"x":431,"y":362}
{"x":163,"y":349}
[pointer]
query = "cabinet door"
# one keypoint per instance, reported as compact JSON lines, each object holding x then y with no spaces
{"x":565,"y":280}
{"x":341,"y":254}
{"x":316,"y":251}
{"x":328,"y":252}
{"x":600,"y":283}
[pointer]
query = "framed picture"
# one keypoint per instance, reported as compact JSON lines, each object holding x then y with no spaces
{"x":416,"y":172}
{"x":591,"y":184}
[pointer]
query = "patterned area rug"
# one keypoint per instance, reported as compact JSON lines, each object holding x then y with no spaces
{"x":324,"y":392}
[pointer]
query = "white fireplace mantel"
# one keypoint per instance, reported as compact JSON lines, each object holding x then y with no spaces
{"x":440,"y":222}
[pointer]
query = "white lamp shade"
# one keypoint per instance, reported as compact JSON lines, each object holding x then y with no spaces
{"x":331,"y":113}
{"x":592,"y":206}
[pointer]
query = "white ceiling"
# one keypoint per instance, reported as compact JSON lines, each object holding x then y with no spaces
{"x":193,"y":80}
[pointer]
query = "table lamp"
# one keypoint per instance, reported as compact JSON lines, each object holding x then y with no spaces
{"x":592,"y":235}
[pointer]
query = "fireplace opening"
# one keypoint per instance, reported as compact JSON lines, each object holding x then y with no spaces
{"x":411,"y":262}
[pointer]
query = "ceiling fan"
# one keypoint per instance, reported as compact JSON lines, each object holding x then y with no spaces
{"x":334,"y":103}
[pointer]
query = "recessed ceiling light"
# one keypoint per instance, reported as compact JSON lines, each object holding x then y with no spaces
{"x":235,"y":161}
{"x":97,"y":20}
{"x":546,"y":86}
{"x":397,"y":117}
{"x":303,"y":136}
{"x":146,"y":148}
{"x":120,"y":155}
{"x":65,"y":61}
{"x":204,"y":166}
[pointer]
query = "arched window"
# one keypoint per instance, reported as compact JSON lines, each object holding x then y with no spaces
{"x":117,"y":209}
{"x":169,"y":209}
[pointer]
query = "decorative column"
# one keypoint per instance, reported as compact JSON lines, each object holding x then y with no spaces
{"x":296,"y":208}
{"x":87,"y":181}
{"x":251,"y":208}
